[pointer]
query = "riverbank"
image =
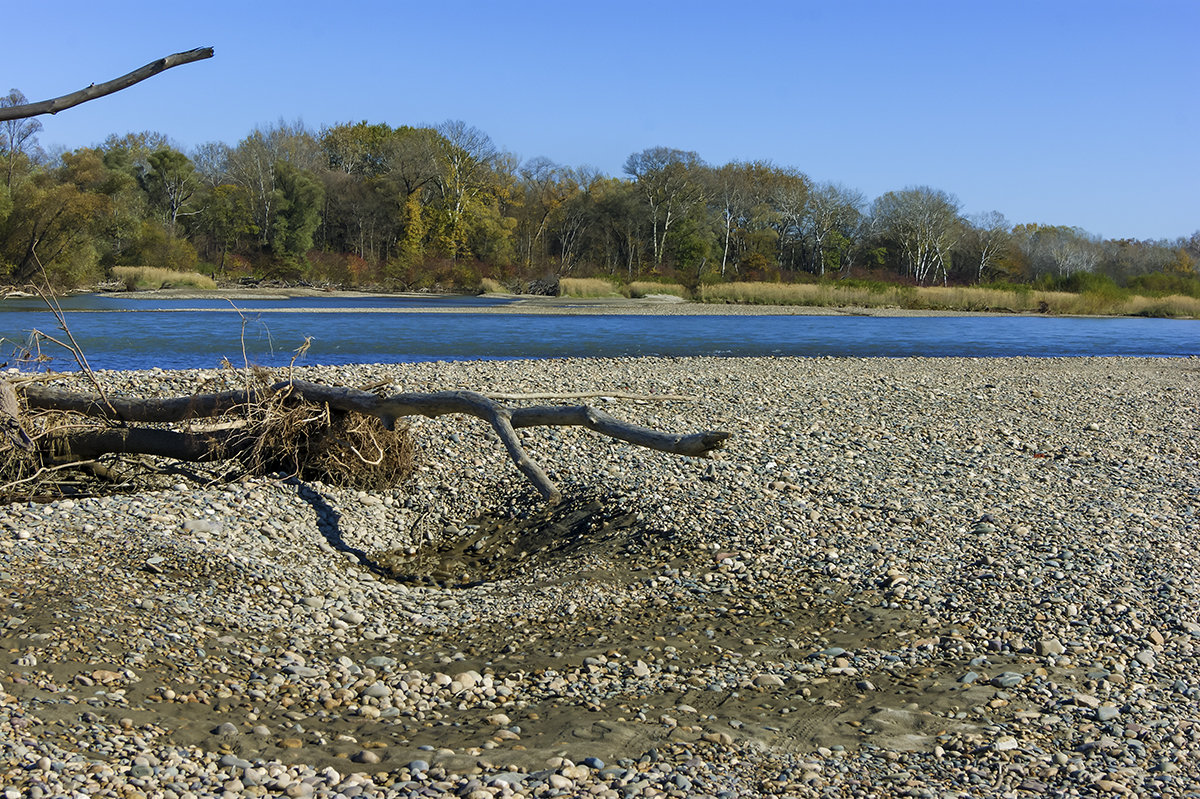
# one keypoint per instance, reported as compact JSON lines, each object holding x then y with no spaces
{"x":939,"y":577}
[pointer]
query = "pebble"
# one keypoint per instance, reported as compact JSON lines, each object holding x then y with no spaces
{"x":933,"y":516}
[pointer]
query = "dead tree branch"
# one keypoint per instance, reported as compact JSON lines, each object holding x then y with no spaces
{"x":100,"y":90}
{"x":504,"y":420}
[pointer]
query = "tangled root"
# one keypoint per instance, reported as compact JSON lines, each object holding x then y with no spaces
{"x":315,"y":443}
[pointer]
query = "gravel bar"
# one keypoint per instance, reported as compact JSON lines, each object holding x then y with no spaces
{"x":904,"y":577}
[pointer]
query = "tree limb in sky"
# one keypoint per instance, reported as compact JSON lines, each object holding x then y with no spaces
{"x":94,"y":91}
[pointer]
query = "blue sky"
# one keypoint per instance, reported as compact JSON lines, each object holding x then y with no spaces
{"x":1072,"y":113}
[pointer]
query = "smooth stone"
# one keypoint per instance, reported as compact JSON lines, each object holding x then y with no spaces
{"x":377,"y":690}
{"x":1050,"y":646}
{"x":1009,"y":679}
{"x":201,"y":526}
{"x":302,"y":671}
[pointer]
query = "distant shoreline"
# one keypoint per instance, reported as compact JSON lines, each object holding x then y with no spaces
{"x":534,"y":304}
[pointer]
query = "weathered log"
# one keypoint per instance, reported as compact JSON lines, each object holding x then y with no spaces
{"x":504,"y":420}
{"x":100,"y":90}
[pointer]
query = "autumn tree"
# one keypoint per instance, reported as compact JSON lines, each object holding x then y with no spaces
{"x":731,"y":195}
{"x":466,"y":157}
{"x":789,"y":190}
{"x":51,"y":225}
{"x":1057,"y":250}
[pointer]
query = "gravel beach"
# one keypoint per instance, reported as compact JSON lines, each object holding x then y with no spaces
{"x":904,"y":577}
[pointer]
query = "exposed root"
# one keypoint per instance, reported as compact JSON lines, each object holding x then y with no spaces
{"x":316,"y":443}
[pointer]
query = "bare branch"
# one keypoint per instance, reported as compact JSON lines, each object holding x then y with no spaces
{"x":110,"y":87}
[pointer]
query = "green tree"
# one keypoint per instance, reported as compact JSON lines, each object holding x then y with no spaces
{"x":298,"y":199}
{"x":620,"y":221}
{"x":170,"y":181}
{"x":358,"y":149}
{"x":225,"y":217}
{"x":251,"y":165}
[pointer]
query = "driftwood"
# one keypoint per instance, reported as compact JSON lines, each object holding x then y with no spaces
{"x":100,"y":90}
{"x":199,"y":445}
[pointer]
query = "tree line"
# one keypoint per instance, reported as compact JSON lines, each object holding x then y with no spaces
{"x":367,"y":204}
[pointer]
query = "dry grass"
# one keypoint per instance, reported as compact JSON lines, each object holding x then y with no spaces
{"x":819,"y":295}
{"x":586,"y":287}
{"x":1174,"y":306}
{"x":144,"y":278}
{"x":489,"y":286}
{"x":951,"y":298}
{"x":644,"y":288}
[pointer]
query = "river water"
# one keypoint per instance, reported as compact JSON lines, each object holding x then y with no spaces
{"x":122,"y":333}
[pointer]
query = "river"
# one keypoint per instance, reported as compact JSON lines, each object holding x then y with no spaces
{"x":124,"y":333}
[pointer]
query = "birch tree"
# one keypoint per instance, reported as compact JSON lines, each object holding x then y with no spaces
{"x":988,"y":236}
{"x":924,"y":223}
{"x":17,"y":136}
{"x":833,"y":212}
{"x":466,"y":157}
{"x":668,"y":181}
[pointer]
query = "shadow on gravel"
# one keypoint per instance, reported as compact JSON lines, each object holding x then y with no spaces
{"x":327,"y":523}
{"x":497,"y":547}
